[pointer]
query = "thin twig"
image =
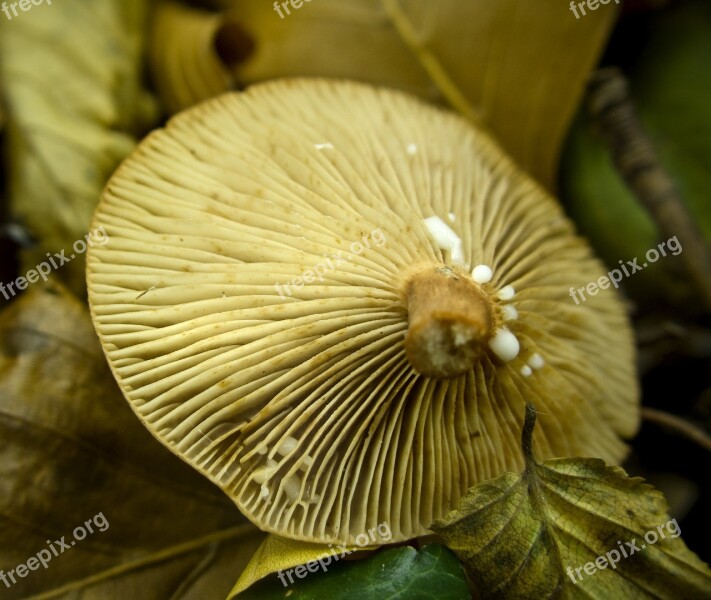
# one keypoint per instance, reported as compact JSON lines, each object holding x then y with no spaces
{"x":677,"y":425}
{"x":609,"y":103}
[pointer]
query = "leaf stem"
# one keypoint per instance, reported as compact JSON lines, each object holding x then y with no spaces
{"x":527,"y":435}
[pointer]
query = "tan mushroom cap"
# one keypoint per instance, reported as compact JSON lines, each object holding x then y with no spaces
{"x":309,"y":405}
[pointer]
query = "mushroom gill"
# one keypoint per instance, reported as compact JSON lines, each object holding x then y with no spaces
{"x":334,"y":301}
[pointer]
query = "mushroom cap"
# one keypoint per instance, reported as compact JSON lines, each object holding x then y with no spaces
{"x":253,"y":302}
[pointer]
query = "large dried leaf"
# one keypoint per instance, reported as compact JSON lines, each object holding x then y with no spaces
{"x":70,"y":448}
{"x":70,"y":76}
{"x":525,"y":536}
{"x":519,"y":67}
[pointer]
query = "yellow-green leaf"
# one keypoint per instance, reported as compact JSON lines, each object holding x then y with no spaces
{"x":534,"y":535}
{"x":280,"y":554}
{"x":70,"y":79}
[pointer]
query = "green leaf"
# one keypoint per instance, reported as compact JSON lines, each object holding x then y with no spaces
{"x":531,"y":536}
{"x":71,"y":448}
{"x":432,"y":573}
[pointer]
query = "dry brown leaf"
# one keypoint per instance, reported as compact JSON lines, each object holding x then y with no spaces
{"x":70,"y":448}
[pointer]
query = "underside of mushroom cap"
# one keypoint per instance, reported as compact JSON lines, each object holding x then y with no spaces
{"x":257,"y":303}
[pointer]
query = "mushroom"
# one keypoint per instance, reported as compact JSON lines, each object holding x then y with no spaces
{"x":335,"y":300}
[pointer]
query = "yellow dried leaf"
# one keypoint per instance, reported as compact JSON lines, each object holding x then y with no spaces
{"x":70,"y":77}
{"x":280,"y":554}
{"x":518,"y":67}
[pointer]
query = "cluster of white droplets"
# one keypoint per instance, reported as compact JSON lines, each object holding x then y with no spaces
{"x":504,"y":344}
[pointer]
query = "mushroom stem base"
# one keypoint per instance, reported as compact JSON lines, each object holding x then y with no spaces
{"x":450,"y":321}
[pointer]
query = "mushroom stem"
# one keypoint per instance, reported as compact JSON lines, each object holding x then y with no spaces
{"x":450,"y":321}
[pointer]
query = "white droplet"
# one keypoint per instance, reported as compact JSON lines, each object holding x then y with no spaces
{"x":504,"y":344}
{"x":536,"y":361}
{"x":452,"y":217}
{"x":526,"y":370}
{"x":292,"y":487}
{"x":509,"y":312}
{"x":412,"y":149}
{"x":507,"y":292}
{"x":262,"y":450}
{"x":482,"y":273}
{"x":287,"y":446}
{"x":264,"y":492}
{"x":445,"y":237}
{"x":326,"y":146}
{"x":261,"y":475}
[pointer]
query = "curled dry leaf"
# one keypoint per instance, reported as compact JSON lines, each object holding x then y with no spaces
{"x":342,"y":38}
{"x":191,"y":52}
{"x":280,"y":290}
{"x":70,"y":448}
{"x":519,"y":66}
{"x":525,"y":536}
{"x":70,"y":75}
{"x":280,"y":554}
